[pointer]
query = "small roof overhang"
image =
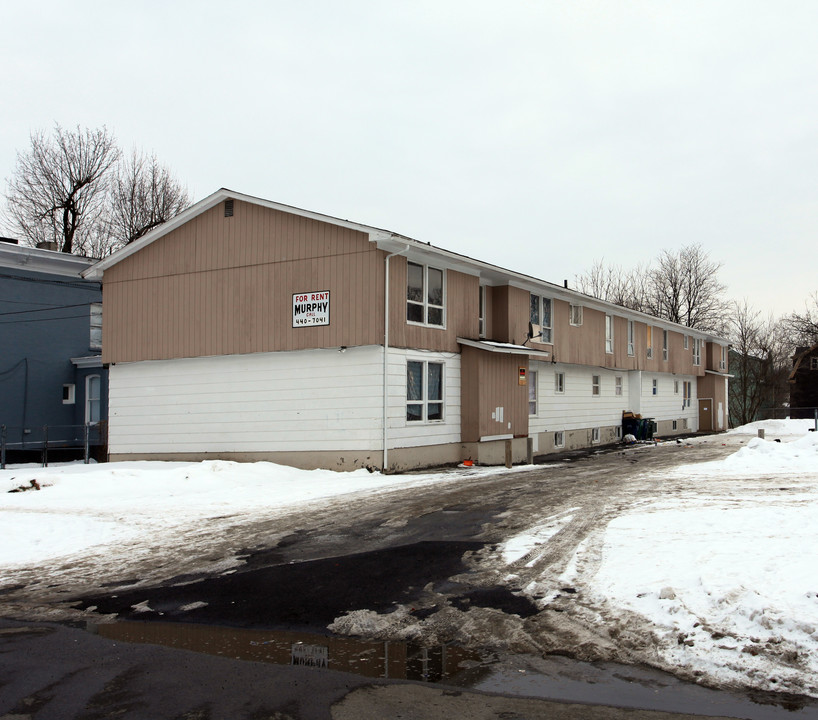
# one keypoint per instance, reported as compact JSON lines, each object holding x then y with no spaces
{"x":90,"y":361}
{"x":716,"y":372}
{"x":505,"y":348}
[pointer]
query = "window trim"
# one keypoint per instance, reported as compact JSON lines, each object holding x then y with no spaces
{"x":95,"y":326}
{"x":697,"y":352}
{"x":559,"y":438}
{"x":425,"y":304}
{"x":723,"y":359}
{"x":481,"y":311}
{"x":69,"y":394}
{"x":425,"y":400}
{"x":649,"y":341}
{"x":609,"y":334}
{"x":595,"y":436}
{"x":89,"y":399}
{"x":575,"y":315}
{"x":532,"y":389}
{"x":545,"y":331}
{"x":664,"y":345}
{"x":559,"y":385}
{"x":618,"y":386}
{"x":654,"y":387}
{"x":631,"y":345}
{"x":596,"y":385}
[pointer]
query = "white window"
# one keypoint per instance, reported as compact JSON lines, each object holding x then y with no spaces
{"x":595,"y":435}
{"x":93,"y":389}
{"x":618,"y":385}
{"x":697,"y":351}
{"x":649,"y":341}
{"x":95,"y":341}
{"x":687,"y":387}
{"x":532,"y":393}
{"x":68,"y":394}
{"x":723,"y":361}
{"x":424,"y":391}
{"x":540,"y":318}
{"x":630,"y":338}
{"x":595,"y":385}
{"x":687,"y":342}
{"x":675,"y":387}
{"x":424,"y":295}
{"x":559,"y":439}
{"x":559,"y":383}
{"x":655,"y":387}
{"x":576,"y":314}
{"x":664,"y":345}
{"x":481,"y":311}
{"x":609,"y":334}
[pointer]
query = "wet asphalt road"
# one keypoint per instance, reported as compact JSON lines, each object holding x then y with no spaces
{"x":392,"y":549}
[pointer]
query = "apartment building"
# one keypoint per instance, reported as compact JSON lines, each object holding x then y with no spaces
{"x":246,"y":329}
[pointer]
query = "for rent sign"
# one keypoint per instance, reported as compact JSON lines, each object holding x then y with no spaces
{"x":311,"y":308}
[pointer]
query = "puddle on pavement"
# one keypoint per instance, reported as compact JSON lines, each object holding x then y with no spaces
{"x":370,"y":658}
{"x":564,"y":679}
{"x":553,"y":677}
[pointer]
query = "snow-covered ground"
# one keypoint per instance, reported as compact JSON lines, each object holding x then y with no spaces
{"x":721,"y":575}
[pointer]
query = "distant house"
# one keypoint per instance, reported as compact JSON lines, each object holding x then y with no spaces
{"x":804,"y":382}
{"x":52,"y":383}
{"x":246,"y":329}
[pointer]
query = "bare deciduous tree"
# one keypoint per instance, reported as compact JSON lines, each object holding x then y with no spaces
{"x":682,"y":287}
{"x":59,"y":187}
{"x":74,"y":189}
{"x":759,"y":364}
{"x":803,"y":326}
{"x":144,"y":195}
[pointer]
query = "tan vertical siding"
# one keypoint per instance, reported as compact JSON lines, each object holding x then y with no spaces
{"x":461,"y":311}
{"x":221,"y":285}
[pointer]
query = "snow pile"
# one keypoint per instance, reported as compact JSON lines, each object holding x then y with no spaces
{"x":114,"y":507}
{"x":725,"y":579}
{"x":774,"y":428}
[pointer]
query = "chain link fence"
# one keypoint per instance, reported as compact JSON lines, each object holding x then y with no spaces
{"x":24,"y":443}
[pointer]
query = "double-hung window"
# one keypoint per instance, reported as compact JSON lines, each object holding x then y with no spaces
{"x":687,"y":387}
{"x":630,"y":338}
{"x":540,"y":318}
{"x":93,"y":390}
{"x":532,"y":393}
{"x":664,"y":345}
{"x":576,"y":315}
{"x":723,"y":361}
{"x":559,"y":383}
{"x":424,"y":391}
{"x":618,"y":385}
{"x":95,"y":340}
{"x":425,"y":295}
{"x":595,"y":386}
{"x":649,"y":341}
{"x":609,"y":334}
{"x":697,"y":351}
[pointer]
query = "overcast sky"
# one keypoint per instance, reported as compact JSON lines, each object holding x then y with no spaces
{"x":539,"y":136}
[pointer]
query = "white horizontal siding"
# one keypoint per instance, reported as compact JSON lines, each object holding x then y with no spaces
{"x":265,"y":402}
{"x":415,"y":434}
{"x":578,"y":408}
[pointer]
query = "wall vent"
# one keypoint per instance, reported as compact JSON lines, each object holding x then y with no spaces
{"x":228,"y":208}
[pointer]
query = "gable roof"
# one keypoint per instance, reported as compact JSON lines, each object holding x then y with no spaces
{"x":414,"y":249}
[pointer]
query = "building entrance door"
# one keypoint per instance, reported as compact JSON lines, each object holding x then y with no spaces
{"x":705,"y":414}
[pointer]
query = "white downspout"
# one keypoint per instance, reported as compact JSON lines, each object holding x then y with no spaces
{"x":385,"y":463}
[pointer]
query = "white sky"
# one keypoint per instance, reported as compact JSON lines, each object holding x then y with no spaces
{"x":539,"y":136}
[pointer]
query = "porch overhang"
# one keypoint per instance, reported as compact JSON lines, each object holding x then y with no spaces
{"x":505,"y":348}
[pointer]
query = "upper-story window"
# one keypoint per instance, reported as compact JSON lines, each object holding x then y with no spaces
{"x":576,"y":314}
{"x":425,"y":295}
{"x":540,"y":318}
{"x":609,"y":334}
{"x":649,"y":341}
{"x":664,"y":345}
{"x":813,"y":363}
{"x":723,"y":360}
{"x":697,"y":351}
{"x":630,"y":338}
{"x":95,"y":341}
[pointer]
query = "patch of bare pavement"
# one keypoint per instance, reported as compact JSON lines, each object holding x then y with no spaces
{"x":368,"y":568}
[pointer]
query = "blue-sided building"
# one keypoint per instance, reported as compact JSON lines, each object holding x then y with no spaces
{"x":53,"y":388}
